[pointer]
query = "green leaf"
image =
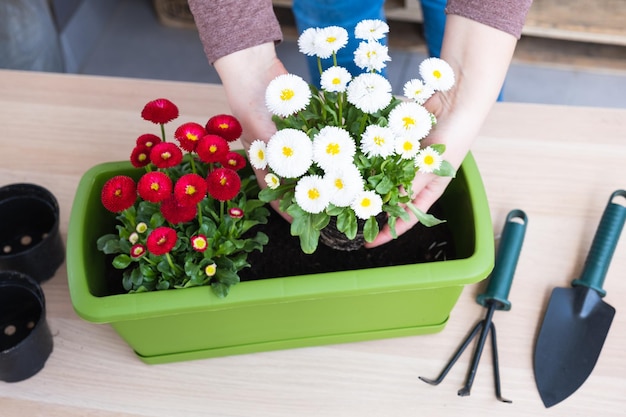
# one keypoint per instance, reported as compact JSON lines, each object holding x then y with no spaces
{"x":109,"y":244}
{"x":347,"y":224}
{"x":121,"y":261}
{"x":385,"y":185}
{"x":445,"y":170}
{"x":219,"y":289}
{"x":440,"y":148}
{"x":309,"y":240}
{"x":426,"y":219}
{"x":227,"y":276}
{"x":370,"y":230}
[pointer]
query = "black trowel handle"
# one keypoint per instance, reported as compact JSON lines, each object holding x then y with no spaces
{"x":603,"y":245}
{"x":506,"y":261}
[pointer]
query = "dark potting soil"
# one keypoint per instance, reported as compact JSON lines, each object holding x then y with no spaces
{"x":282,"y":256}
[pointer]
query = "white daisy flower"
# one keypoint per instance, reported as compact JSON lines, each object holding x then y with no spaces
{"x":329,"y":40}
{"x":416,"y":90}
{"x":257,"y":154}
{"x":371,"y":56}
{"x":369,"y":92}
{"x":428,"y":160}
{"x":407,"y":146}
{"x":332,"y":147}
{"x":272,"y":181}
{"x":410,"y":118}
{"x":335,"y":79}
{"x":289,"y":153}
{"x":378,"y":141}
{"x":312,"y":194}
{"x":306,"y":42}
{"x":345,"y":182}
{"x":287,"y":94}
{"x":437,"y":74}
{"x":371,"y":29}
{"x":367,"y":204}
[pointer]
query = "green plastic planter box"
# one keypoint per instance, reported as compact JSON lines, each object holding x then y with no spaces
{"x":279,"y":313}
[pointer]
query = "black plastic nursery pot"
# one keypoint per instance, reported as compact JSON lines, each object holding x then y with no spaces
{"x":25,"y":338}
{"x":30,"y":241}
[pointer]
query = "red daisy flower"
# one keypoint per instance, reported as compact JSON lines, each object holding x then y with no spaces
{"x":160,"y":111}
{"x":166,"y":155}
{"x":212,"y":148}
{"x":234,"y":161}
{"x":161,"y":240}
{"x":140,"y":156}
{"x":175,"y":213}
{"x":188,"y":135}
{"x":137,"y":251}
{"x":154,"y":186}
{"x":148,"y":140}
{"x":199,"y":243}
{"x":119,"y":193}
{"x":223,"y":184}
{"x":224,"y":125}
{"x":190,"y":189}
{"x":235,"y":213}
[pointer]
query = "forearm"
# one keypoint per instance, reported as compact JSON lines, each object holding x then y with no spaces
{"x":480,"y":56}
{"x":245,"y":75}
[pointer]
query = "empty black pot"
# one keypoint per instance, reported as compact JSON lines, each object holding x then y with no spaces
{"x":25,"y":338}
{"x":30,"y":241}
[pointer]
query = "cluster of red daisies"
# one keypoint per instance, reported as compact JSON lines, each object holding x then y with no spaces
{"x":179,"y":198}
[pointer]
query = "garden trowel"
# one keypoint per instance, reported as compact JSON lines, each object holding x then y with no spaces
{"x":577,"y":321}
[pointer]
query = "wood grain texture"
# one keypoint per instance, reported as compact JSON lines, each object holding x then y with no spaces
{"x":559,"y":164}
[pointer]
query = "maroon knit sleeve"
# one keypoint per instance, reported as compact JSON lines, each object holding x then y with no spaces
{"x":506,"y":15}
{"x":227,"y":26}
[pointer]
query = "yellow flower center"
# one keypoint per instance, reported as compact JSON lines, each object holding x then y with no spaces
{"x":408,"y":122}
{"x":223,"y":181}
{"x":336,"y":81}
{"x":331,"y":39}
{"x":190,"y":190}
{"x":339,"y":184}
{"x":213,"y":148}
{"x":154,"y":186}
{"x":333,"y":149}
{"x":261,"y":155}
{"x":429,"y":160}
{"x":313,"y":194}
{"x":199,"y":243}
{"x":379,"y":140}
{"x":223,"y":126}
{"x":137,"y":251}
{"x":210,"y":270}
{"x":437,"y":74}
{"x":407,"y":146}
{"x":287,"y":94}
{"x":142,"y":157}
{"x":287,"y":151}
{"x":166,"y":155}
{"x":366,"y":202}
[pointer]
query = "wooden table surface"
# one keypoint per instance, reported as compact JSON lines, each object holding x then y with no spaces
{"x":558,"y":164}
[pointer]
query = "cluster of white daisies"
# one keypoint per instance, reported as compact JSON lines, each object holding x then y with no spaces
{"x":290,"y":153}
